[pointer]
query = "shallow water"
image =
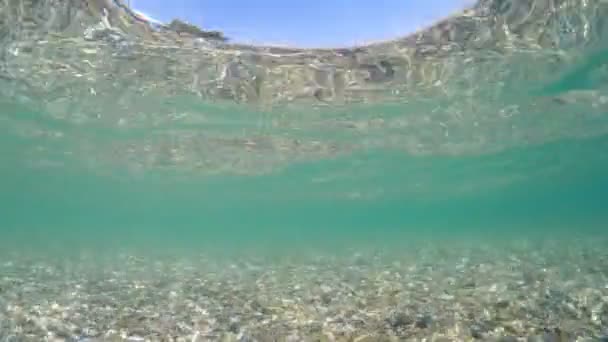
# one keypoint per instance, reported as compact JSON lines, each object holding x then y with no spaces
{"x":502,"y":160}
{"x":370,"y":195}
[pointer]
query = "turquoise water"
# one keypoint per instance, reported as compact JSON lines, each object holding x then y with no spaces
{"x":451,"y":187}
{"x":553,"y":188}
{"x":521,"y":153}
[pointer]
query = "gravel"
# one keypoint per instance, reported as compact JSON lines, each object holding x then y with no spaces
{"x":517,"y":291}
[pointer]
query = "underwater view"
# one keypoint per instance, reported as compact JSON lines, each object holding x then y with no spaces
{"x":161,"y":183}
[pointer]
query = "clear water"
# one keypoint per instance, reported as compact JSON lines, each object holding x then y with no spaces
{"x":403,"y":172}
{"x":123,"y":144}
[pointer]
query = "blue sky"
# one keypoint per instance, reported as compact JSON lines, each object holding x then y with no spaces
{"x":306,"y":23}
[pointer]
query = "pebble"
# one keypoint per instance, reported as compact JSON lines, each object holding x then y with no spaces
{"x":469,"y":285}
{"x":423,"y":322}
{"x":269,"y":309}
{"x":364,"y":338}
{"x":548,"y":337}
{"x":135,"y":339}
{"x":399,"y":320}
{"x":477,"y":331}
{"x":502,"y":304}
{"x":446,"y":297}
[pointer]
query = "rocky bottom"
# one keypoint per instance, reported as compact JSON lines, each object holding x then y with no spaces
{"x":517,"y":291}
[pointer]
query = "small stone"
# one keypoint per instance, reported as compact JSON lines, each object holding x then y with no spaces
{"x":89,"y":51}
{"x":364,"y":338}
{"x":502,"y":304}
{"x":233,"y":327}
{"x":423,"y":322}
{"x":469,"y":285}
{"x":399,"y":320}
{"x":477,"y":332}
{"x":135,"y":338}
{"x":326,"y":298}
{"x":446,"y":297}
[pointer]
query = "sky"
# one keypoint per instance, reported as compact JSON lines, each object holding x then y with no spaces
{"x":304,"y":23}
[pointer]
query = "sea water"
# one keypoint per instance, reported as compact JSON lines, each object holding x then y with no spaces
{"x":385,"y":176}
{"x":378,"y":195}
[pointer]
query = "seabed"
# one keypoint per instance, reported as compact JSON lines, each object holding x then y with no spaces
{"x":515,"y":290}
